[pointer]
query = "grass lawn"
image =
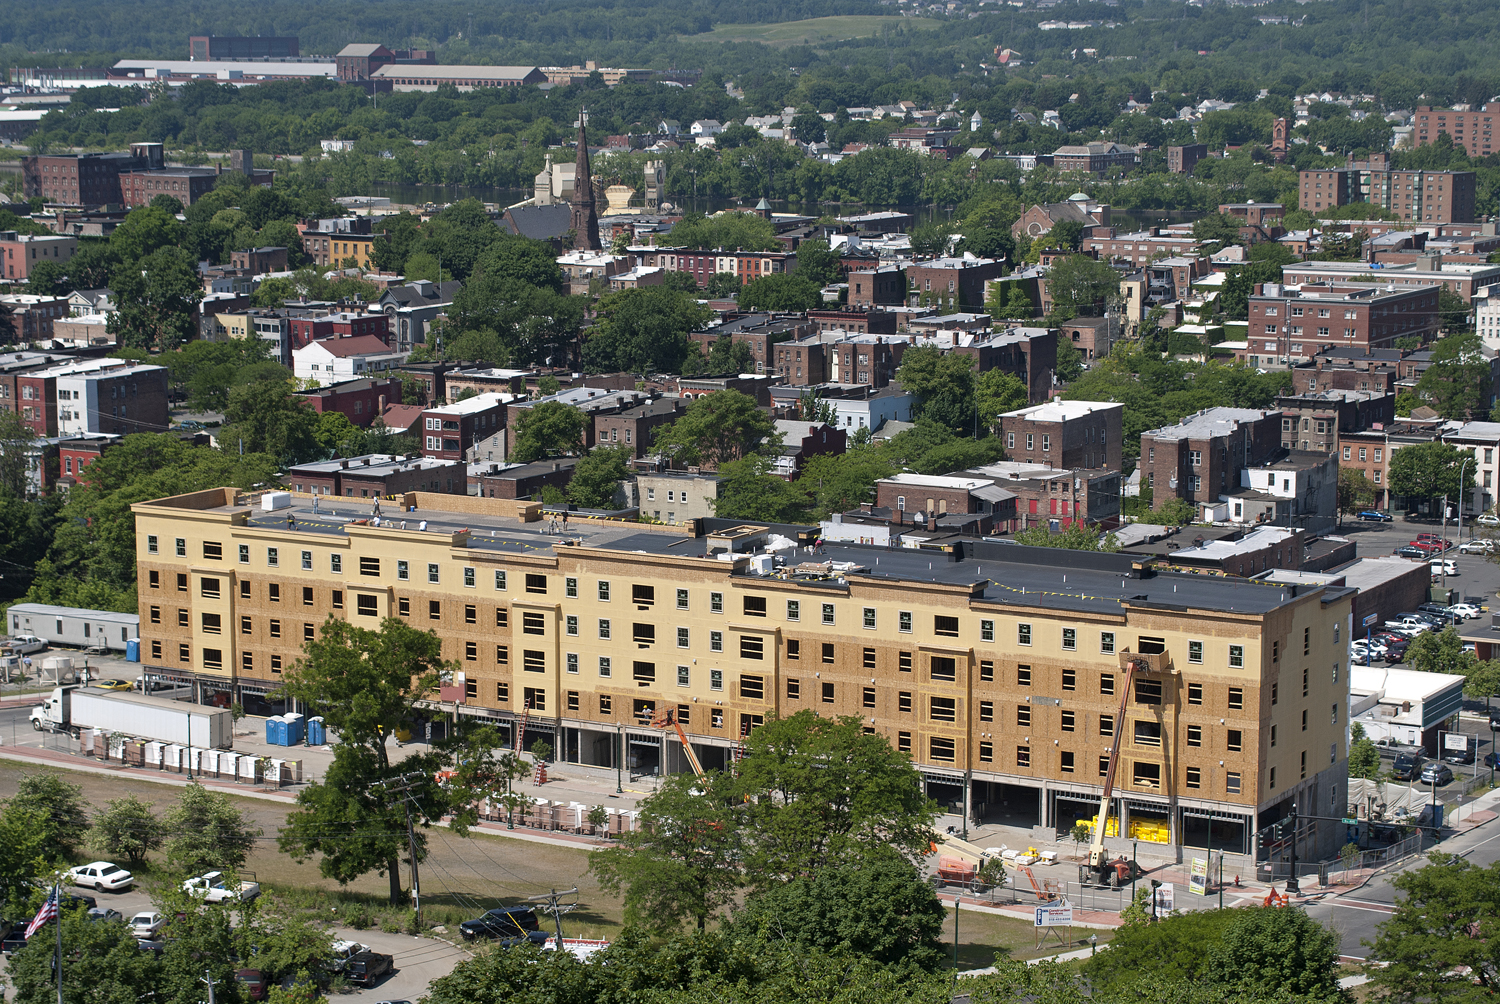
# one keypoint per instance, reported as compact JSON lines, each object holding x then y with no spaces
{"x":983,"y":936}
{"x":810,"y":31}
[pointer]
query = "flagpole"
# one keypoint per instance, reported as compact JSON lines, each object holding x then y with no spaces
{"x":57,"y":895}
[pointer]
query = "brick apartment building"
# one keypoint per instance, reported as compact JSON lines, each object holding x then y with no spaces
{"x":1461,"y":278}
{"x":1028,"y":354}
{"x":60,"y":396}
{"x":1370,"y":451}
{"x":1095,"y":158}
{"x":1182,"y":159}
{"x":19,"y":252}
{"x":450,"y":430}
{"x":1335,"y":370}
{"x":379,"y":475}
{"x":854,"y":321}
{"x":949,"y":284}
{"x":185,"y":184}
{"x":1066,"y":434}
{"x":1419,"y":196}
{"x":84,"y":179}
{"x":883,"y":286}
{"x":1473,"y":130}
{"x":1298,"y":322}
{"x":959,"y":627}
{"x":636,"y":427}
{"x":840,"y":357}
{"x":361,"y":401}
{"x":1318,"y":420}
{"x":258,"y":261}
{"x":1201,"y":457}
{"x":1138,"y":246}
{"x":76,"y":453}
{"x":520,"y":481}
{"x":761,"y":332}
{"x":34,"y":315}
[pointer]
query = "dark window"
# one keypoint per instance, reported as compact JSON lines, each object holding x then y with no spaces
{"x":536,"y":583}
{"x":869,"y":660}
{"x":753,"y":688}
{"x":210,"y":623}
{"x":1023,"y":676}
{"x":1070,"y":680}
{"x":533,"y":623}
{"x":307,"y":632}
{"x":794,"y":690}
{"x":869,"y":695}
{"x":502,"y":617}
{"x":533,"y":661}
{"x":572,"y":700}
{"x":1023,"y":756}
{"x":1146,"y":774}
{"x":307,"y":596}
{"x":903,"y":662}
{"x":1194,"y":777}
{"x":1065,"y":762}
{"x":903,"y":742}
{"x":369,"y":566}
{"x":986,"y":711}
{"x":1023,"y":716}
{"x":752,"y":647}
{"x":1148,"y":691}
{"x":1106,"y":683}
{"x":156,"y":615}
{"x":1195,"y":693}
{"x":643,"y":634}
{"x":213,"y":550}
{"x":903,"y":701}
{"x":403,"y":606}
{"x":367,"y":606}
{"x":946,"y":627}
{"x":502,"y":693}
{"x":274,"y":592}
{"x":1195,"y":735}
{"x":275,"y":629}
{"x":755,"y":606}
{"x":502,"y":654}
{"x":986,"y":670}
{"x":1068,"y":720}
{"x":941,"y":749}
{"x":793,"y":649}
{"x":244,"y":589}
{"x":1153,"y":646}
{"x":1234,"y":740}
{"x":605,"y":705}
{"x":943,"y":709}
{"x":1106,"y":725}
{"x":535,"y":698}
{"x":828,"y":653}
{"x":1147,"y":733}
{"x":182,"y":583}
{"x":643,"y":595}
{"x":471,"y":651}
{"x":986,"y":752}
{"x":1236,"y":698}
{"x":644,"y":673}
{"x":944,"y":667}
{"x":338,"y":599}
{"x":435,"y":610}
{"x":471,"y":614}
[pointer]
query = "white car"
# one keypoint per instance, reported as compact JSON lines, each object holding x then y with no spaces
{"x":101,"y":875}
{"x":1488,"y":519}
{"x":147,"y":925}
{"x":1479,"y":545}
{"x":1467,"y":611}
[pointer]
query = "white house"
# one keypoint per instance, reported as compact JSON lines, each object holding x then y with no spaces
{"x":889,"y":405}
{"x":706,"y":127}
{"x":333,"y":360}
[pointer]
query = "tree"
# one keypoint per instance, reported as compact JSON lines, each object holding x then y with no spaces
{"x":1430,"y":471}
{"x":205,"y":832}
{"x":944,"y":385}
{"x":878,"y":908}
{"x":102,"y":963}
{"x":1069,"y":365}
{"x":60,"y":803}
{"x":1266,"y":950}
{"x":1174,"y":511}
{"x":1016,"y":304}
{"x":267,"y":417}
{"x":1453,"y":313}
{"x":1220,"y":227}
{"x":721,"y":285}
{"x":597,"y":476}
{"x":817,"y":263}
{"x":127,"y":828}
{"x":751,"y":491}
{"x":145,"y":231}
{"x":1076,"y":537}
{"x":1457,"y":383}
{"x":1364,"y":756}
{"x":818,"y":793}
{"x":1355,"y":491}
{"x":787,"y":291}
{"x":726,"y":356}
{"x":1083,"y":285}
{"x":1441,"y":652}
{"x":996,"y":393}
{"x":47,"y":278}
{"x":1443,"y":925}
{"x":157,"y":296}
{"x":716,"y":429}
{"x":1172,"y":949}
{"x":681,"y":864}
{"x":548,"y":429}
{"x":840,"y":482}
{"x":642,"y":330}
{"x":732,"y":231}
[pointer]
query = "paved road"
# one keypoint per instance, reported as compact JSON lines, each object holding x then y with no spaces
{"x":1356,"y":915}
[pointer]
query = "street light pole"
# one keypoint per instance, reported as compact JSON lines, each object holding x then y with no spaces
{"x":189,"y":750}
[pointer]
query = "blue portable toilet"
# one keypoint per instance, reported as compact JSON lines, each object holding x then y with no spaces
{"x":291,"y":729}
{"x":133,"y":650}
{"x":317,"y":735}
{"x":275,"y":729}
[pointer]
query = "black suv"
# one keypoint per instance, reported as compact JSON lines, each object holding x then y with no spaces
{"x":367,"y":967}
{"x":506,"y":922}
{"x":1407,"y":766}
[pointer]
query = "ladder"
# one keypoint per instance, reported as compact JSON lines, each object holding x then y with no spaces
{"x":521,"y":732}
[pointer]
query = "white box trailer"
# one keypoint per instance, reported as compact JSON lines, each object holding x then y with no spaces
{"x":74,"y":627}
{"x":73,"y":709}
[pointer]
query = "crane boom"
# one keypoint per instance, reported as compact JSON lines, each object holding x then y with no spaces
{"x":1101,"y":821}
{"x":668,"y":718}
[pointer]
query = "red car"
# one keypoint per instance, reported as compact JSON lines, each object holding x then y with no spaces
{"x":254,"y":981}
{"x":1427,"y":546}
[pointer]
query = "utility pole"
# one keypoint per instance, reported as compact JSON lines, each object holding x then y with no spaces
{"x":207,"y":978}
{"x":557,"y":909}
{"x":1291,"y":882}
{"x":402,"y":785}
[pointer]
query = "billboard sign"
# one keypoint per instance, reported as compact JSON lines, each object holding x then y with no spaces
{"x":1198,"y":879}
{"x":1054,"y":916}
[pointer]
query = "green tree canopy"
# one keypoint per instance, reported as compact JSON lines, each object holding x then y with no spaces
{"x":1457,"y":383}
{"x":157,"y":299}
{"x":1082,"y":285}
{"x":129,"y":828}
{"x":60,"y":803}
{"x":642,"y":330}
{"x":206,"y":832}
{"x":549,"y":428}
{"x":1431,"y":471}
{"x":268,"y":417}
{"x":788,"y":291}
{"x":598,"y":475}
{"x":716,"y":429}
{"x":1443,"y":925}
{"x":944,"y":385}
{"x":730,"y":231}
{"x":750,"y":490}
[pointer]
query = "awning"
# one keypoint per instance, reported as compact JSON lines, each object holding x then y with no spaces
{"x":1227,"y":817}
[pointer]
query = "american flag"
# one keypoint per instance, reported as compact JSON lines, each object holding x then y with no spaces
{"x":46,"y":913}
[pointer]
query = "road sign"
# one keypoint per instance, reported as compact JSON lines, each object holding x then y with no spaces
{"x":1054,"y":916}
{"x":1164,"y":898}
{"x":1369,"y":620}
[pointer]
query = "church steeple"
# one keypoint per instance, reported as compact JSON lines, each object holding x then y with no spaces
{"x":585,"y":219}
